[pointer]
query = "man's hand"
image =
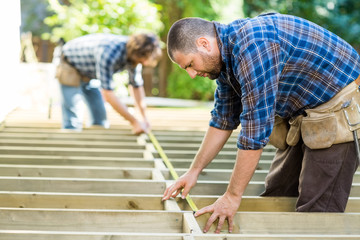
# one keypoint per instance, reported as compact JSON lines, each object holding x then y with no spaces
{"x":186,"y":182}
{"x":140,"y":127}
{"x":223,"y":209}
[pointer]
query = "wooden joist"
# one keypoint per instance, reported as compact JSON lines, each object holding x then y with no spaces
{"x":108,"y":184}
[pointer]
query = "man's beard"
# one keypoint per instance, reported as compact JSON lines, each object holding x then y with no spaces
{"x":213,"y":65}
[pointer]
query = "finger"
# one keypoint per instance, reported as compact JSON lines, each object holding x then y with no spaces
{"x":203,"y":210}
{"x":220,"y":224}
{"x":166,"y":193}
{"x":231,"y":224}
{"x":176,"y":193}
{"x":210,"y":221}
{"x":185,"y":192}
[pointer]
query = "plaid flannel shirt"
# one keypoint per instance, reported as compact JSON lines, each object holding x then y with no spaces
{"x":276,"y":64}
{"x":99,"y":56}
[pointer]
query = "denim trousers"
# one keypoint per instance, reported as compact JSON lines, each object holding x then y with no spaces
{"x":72,"y":105}
{"x":321,"y":179}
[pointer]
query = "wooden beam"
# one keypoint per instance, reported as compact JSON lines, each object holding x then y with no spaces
{"x":291,"y":223}
{"x":75,"y":160}
{"x":262,"y":204}
{"x":117,"y":201}
{"x":66,"y":136}
{"x":70,"y":143}
{"x":81,"y":185}
{"x":70,"y":151}
{"x":67,"y":235}
{"x":104,"y":221}
{"x":13,"y":170}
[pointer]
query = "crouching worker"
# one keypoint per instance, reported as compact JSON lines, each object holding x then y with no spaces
{"x":99,"y":56}
{"x":286,"y":80}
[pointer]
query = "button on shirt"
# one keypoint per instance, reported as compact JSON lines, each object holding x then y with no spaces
{"x":99,"y":56}
{"x":276,"y":64}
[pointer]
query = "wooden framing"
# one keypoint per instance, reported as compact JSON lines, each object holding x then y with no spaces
{"x":108,"y":184}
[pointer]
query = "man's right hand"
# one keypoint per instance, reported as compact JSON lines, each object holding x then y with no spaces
{"x":186,"y":182}
{"x":140,"y":127}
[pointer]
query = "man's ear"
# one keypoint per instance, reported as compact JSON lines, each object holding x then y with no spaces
{"x":203,"y":44}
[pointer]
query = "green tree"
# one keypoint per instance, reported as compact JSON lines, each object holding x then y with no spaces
{"x":81,"y":17}
{"x":176,"y":81}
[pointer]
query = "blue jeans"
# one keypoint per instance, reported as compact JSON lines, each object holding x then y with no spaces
{"x":72,"y":99}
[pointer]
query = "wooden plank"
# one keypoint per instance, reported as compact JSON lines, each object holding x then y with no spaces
{"x":64,"y":235}
{"x":81,"y":185}
{"x":140,"y":201}
{"x":101,"y":152}
{"x":274,"y":236}
{"x":291,"y":223}
{"x":217,"y":174}
{"x":86,"y":131}
{"x":69,"y":144}
{"x":217,"y":163}
{"x":262,"y":204}
{"x":91,"y":220}
{"x":67,"y":136}
{"x":75,"y":160}
{"x":74,"y":171}
{"x":223,"y":155}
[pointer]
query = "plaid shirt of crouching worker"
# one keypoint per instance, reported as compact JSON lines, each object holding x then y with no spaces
{"x":276,"y":65}
{"x":99,"y":56}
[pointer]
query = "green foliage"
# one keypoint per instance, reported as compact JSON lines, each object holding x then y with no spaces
{"x":32,"y":14}
{"x":180,"y":85}
{"x":83,"y":17}
{"x":339,"y":16}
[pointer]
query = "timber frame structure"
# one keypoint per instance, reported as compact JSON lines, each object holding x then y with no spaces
{"x":108,"y":184}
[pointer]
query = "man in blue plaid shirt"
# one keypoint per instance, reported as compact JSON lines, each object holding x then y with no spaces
{"x":98,"y":57}
{"x":269,"y":67}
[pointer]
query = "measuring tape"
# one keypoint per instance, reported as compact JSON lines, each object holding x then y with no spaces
{"x":170,"y":167}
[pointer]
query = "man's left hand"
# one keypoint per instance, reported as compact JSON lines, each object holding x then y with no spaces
{"x":223,"y":209}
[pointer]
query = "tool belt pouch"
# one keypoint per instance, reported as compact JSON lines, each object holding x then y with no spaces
{"x":294,"y":133}
{"x":279,"y":133}
{"x":326,"y":124}
{"x":67,"y":74}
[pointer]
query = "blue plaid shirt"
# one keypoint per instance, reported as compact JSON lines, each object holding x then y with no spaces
{"x":276,"y":65}
{"x":99,"y":56}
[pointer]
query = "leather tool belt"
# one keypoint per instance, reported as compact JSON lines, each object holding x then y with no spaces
{"x":330,"y":123}
{"x":68,"y":75}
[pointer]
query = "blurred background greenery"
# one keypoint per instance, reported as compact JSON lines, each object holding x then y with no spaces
{"x":50,"y":20}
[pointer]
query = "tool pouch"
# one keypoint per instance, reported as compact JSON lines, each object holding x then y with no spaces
{"x":328,"y":124}
{"x":294,"y":133}
{"x":68,"y":75}
{"x":279,"y":133}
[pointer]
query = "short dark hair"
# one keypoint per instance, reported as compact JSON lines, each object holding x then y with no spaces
{"x":184,"y":32}
{"x":143,"y":45}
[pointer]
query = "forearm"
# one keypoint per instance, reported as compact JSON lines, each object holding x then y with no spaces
{"x":246,"y":162}
{"x":139,"y":96}
{"x":212,"y":143}
{"x":118,"y":106}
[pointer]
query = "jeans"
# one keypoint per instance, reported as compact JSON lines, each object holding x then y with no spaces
{"x":72,"y":99}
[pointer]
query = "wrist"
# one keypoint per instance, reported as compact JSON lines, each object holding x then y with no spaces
{"x":195,"y":171}
{"x":233,"y":194}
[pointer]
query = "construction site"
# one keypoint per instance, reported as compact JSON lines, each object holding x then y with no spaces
{"x":109,"y":183}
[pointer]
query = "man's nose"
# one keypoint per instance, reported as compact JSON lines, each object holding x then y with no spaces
{"x":192,"y":73}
